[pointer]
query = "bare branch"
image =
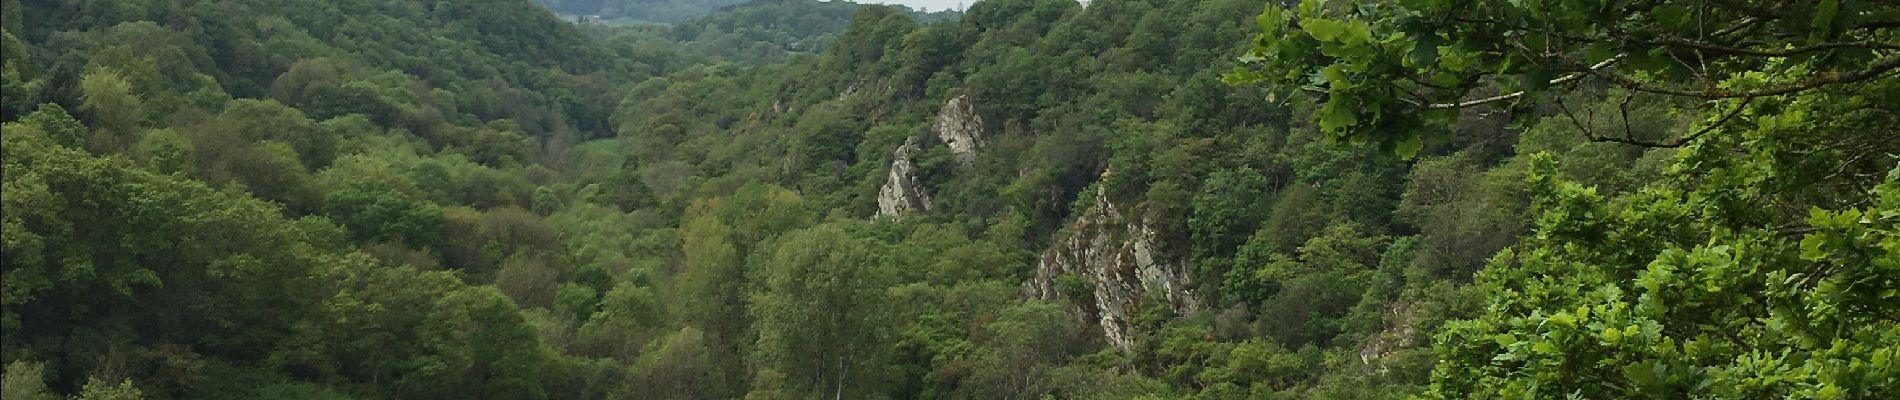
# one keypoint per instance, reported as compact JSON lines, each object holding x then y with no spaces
{"x":1680,"y":141}
{"x":1624,"y":108}
{"x":1493,"y":99}
{"x":1572,"y":117}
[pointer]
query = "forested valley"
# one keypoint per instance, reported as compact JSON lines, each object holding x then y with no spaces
{"x":1027,"y":199}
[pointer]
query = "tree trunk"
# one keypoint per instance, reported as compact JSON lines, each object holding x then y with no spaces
{"x":842,"y":370}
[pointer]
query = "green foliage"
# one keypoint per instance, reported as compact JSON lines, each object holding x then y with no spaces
{"x":628,"y":314}
{"x":1727,"y":291}
{"x":108,"y":97}
{"x":1466,"y":214}
{"x":425,"y":333}
{"x":677,"y":366}
{"x":1028,"y":341}
{"x":100,"y":390}
{"x":53,"y":120}
{"x":25,"y":381}
{"x":259,"y":286}
{"x":164,"y":151}
{"x":140,"y":243}
{"x":1225,"y":213}
{"x":377,"y":212}
{"x":816,"y":312}
{"x":626,"y":189}
{"x":1721,"y":309}
{"x":1382,"y":71}
{"x":270,"y":120}
{"x":19,"y":84}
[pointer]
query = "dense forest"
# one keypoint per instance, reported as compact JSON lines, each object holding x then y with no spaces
{"x":794,"y":199}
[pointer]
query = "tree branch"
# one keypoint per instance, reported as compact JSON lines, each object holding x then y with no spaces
{"x":1493,"y":99}
{"x":1712,"y":47}
{"x":1873,"y":71}
{"x":1680,"y":141}
{"x":1878,"y":25}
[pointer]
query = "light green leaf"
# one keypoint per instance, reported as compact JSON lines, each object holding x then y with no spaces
{"x":1242,"y":76}
{"x":1409,"y":147}
{"x":1324,"y":30}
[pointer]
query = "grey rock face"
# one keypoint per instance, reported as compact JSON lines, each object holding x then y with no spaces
{"x":901,"y":193}
{"x":961,"y":129}
{"x":1120,"y":256}
{"x":1401,"y":319}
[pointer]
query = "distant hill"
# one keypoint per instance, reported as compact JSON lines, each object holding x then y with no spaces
{"x":641,"y":10}
{"x":755,"y":32}
{"x":622,"y":12}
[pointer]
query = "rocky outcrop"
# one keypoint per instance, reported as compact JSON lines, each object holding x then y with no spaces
{"x":901,"y":192}
{"x":1400,"y":317}
{"x":1121,"y":257}
{"x":961,"y":129}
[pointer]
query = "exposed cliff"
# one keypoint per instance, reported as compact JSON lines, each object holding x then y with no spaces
{"x":1121,"y":258}
{"x":961,"y":129}
{"x":901,"y":192}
